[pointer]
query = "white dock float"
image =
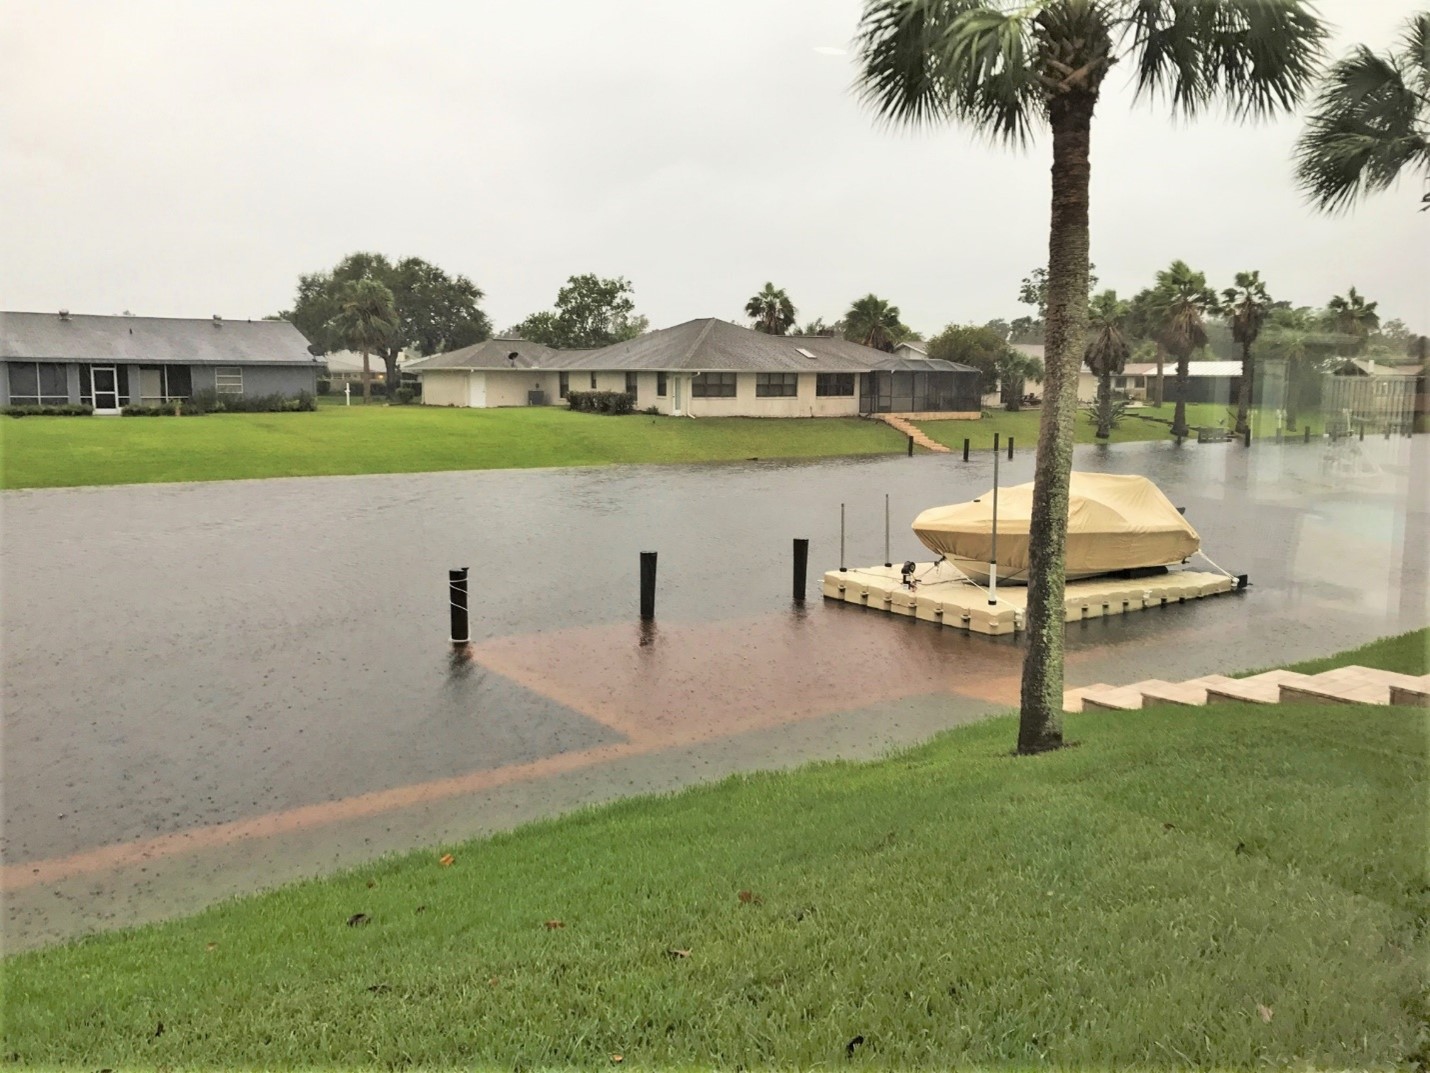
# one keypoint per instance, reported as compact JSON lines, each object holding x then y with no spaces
{"x":945,"y":596}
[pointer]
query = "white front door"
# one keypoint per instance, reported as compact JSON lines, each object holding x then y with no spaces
{"x":676,"y":384}
{"x":106,"y":389}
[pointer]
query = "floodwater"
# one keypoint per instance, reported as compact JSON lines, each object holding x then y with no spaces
{"x":214,"y":687}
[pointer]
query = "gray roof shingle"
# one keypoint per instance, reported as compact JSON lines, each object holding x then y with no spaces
{"x":491,"y":354}
{"x":151,"y":340}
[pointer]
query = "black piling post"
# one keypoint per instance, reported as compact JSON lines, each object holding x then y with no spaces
{"x":843,"y":569}
{"x":995,"y":443}
{"x":1307,"y":435}
{"x":1010,"y":448}
{"x":965,"y":449}
{"x":647,"y":585}
{"x":1246,"y":438}
{"x":1362,"y":432}
{"x":801,"y":566}
{"x":1278,"y":434}
{"x":457,"y":598}
{"x":911,"y":447}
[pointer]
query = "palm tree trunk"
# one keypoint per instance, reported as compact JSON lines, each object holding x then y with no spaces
{"x":366,"y":380}
{"x":1179,"y":417}
{"x":1243,"y":395}
{"x":1040,"y":720}
{"x":1161,"y":356}
{"x":392,"y":377}
{"x":1104,"y":405}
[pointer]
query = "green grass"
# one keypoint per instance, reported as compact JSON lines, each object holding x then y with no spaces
{"x":1023,"y":426}
{"x":1406,"y":653}
{"x":43,"y":452}
{"x":1129,"y":903}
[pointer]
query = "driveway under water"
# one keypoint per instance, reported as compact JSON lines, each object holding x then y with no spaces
{"x":215,"y":687}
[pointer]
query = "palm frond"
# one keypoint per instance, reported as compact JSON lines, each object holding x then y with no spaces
{"x":1415,"y":52}
{"x":1258,"y":57}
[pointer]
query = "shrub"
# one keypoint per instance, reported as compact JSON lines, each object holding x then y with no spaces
{"x":325,"y":387}
{"x":67,"y":410}
{"x":654,"y":411}
{"x":602,"y":402}
{"x":404,"y":395}
{"x":206,"y":402}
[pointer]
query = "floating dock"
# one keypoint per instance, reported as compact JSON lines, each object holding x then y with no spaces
{"x":945,"y":596}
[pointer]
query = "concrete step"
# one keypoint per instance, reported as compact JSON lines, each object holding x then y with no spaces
{"x":1258,"y":689}
{"x":1072,"y":698}
{"x":1349,"y":685}
{"x":1414,"y":696}
{"x":1117,"y":698}
{"x":1192,"y":692}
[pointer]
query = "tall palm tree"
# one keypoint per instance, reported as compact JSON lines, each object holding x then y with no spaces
{"x":1244,"y":307}
{"x":1370,"y":122}
{"x":1142,"y":323}
{"x":1354,"y":316}
{"x":874,"y":322}
{"x":1106,"y":352}
{"x":367,"y":321}
{"x":1183,"y":301}
{"x":1004,"y":72}
{"x":771,"y":310}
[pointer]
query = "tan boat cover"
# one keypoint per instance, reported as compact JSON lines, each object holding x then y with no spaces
{"x":1114,"y":523}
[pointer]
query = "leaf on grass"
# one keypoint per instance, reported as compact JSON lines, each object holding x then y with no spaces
{"x":618,"y":1058}
{"x":1266,"y":1012}
{"x":552,"y":925}
{"x":849,"y":1047}
{"x":371,"y":883}
{"x":379,"y":989}
{"x":211,"y":946}
{"x":159,"y":1030}
{"x":420,"y":909}
{"x":1240,"y":848}
{"x":677,"y":954}
{"x":494,"y":981}
{"x":1169,"y":826}
{"x":749,"y":897}
{"x":357,"y":919}
{"x":446,"y":860}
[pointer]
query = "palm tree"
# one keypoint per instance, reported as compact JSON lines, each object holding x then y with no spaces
{"x":367,"y":321}
{"x":1370,"y":122}
{"x":874,"y":322}
{"x":1354,"y":316}
{"x":1142,"y":322}
{"x":1005,"y":72}
{"x":1244,"y":307}
{"x":1183,"y":300}
{"x":771,"y":310}
{"x":1106,"y":352}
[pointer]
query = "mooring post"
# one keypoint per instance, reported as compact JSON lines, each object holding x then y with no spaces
{"x":647,"y":585}
{"x":801,"y":566}
{"x":1246,"y":438}
{"x":1278,"y":435}
{"x":1362,"y":432}
{"x":995,"y":447}
{"x":965,"y":448}
{"x":887,"y":561}
{"x":457,"y":597}
{"x":842,"y":568}
{"x":911,"y":447}
{"x":1010,"y":448}
{"x":1307,"y":436}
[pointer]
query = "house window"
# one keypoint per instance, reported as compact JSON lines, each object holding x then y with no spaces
{"x":660,"y":385}
{"x":713,"y":386}
{"x":165,"y":383}
{"x":776,"y":385}
{"x":38,"y":384}
{"x":840,"y":385}
{"x":593,"y":381}
{"x":228,"y":380}
{"x":563,"y":385}
{"x":631,"y":385}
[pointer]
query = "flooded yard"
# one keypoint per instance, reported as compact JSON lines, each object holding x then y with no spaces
{"x":212,"y":687}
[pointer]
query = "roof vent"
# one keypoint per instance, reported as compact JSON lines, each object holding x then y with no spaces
{"x":512,"y":357}
{"x":64,"y":314}
{"x":218,"y":321}
{"x":806,"y":353}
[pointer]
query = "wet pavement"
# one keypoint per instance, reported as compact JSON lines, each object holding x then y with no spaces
{"x":211,"y":688}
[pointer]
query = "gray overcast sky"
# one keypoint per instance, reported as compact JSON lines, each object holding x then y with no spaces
{"x":187,"y":158}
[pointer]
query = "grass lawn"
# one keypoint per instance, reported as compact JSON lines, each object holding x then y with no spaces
{"x":1229,"y":888}
{"x":1407,"y":653}
{"x":42,"y":452}
{"x":1023,"y":426}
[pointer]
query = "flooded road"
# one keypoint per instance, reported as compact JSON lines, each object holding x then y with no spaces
{"x":212,"y":687}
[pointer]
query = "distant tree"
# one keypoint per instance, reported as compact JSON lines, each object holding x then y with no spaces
{"x":1025,"y":330}
{"x":771,"y":310}
{"x":1033,"y":290}
{"x":1000,"y":327}
{"x":1305,"y":340}
{"x":1182,"y":300}
{"x":818,"y":327}
{"x":1014,"y":369}
{"x":874,"y":322}
{"x":1352,"y":315}
{"x":590,"y":312}
{"x":1106,"y":352}
{"x":1244,"y":307}
{"x":1369,"y":123}
{"x":366,"y":321}
{"x":1143,"y":322}
{"x":981,"y":348}
{"x":435,"y":311}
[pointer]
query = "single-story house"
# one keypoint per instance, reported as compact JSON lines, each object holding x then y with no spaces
{"x":705,"y":368}
{"x":1207,"y":381}
{"x":345,"y":367}
{"x":1360,"y":391}
{"x":54,"y":359}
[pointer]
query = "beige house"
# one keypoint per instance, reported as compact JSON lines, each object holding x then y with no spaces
{"x":705,"y":368}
